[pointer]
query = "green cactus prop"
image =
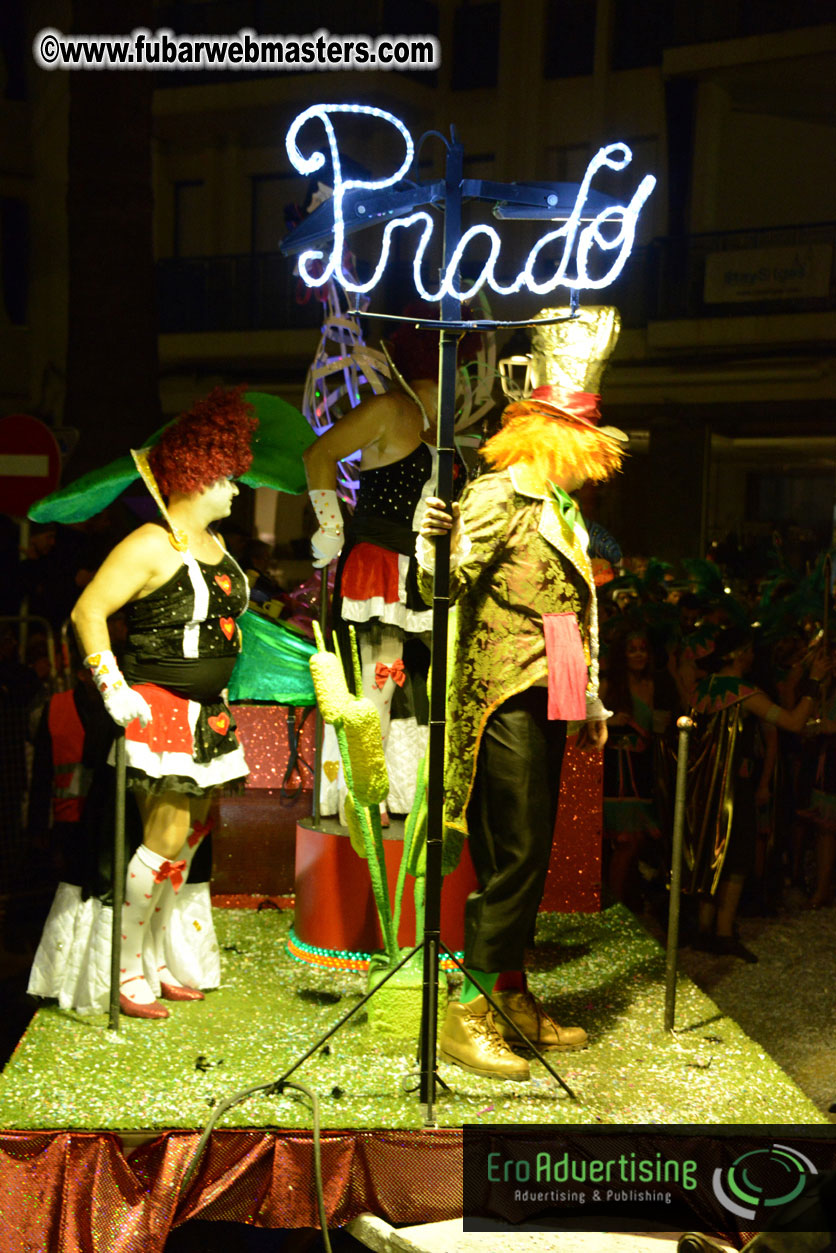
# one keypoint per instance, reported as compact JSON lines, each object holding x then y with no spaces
{"x":357,"y":726}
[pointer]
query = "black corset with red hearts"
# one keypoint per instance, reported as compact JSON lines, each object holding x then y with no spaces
{"x":188,"y":625}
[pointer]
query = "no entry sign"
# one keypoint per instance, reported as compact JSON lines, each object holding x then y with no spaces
{"x":30,"y":463}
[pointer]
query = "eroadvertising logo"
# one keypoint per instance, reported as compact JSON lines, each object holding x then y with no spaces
{"x":761,"y":1180}
{"x":725,"y":1181}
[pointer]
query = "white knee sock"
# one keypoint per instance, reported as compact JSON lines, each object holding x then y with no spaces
{"x":141,"y":890}
{"x":379,"y":688}
{"x":165,"y":901}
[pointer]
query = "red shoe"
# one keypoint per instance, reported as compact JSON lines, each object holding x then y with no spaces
{"x":174,"y":992}
{"x":134,"y":1010}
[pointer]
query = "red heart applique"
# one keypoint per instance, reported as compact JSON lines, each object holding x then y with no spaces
{"x":228,"y":627}
{"x":219,"y":724}
{"x":224,"y":582}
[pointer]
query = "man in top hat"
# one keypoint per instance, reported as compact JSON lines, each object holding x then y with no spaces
{"x":524,"y":668}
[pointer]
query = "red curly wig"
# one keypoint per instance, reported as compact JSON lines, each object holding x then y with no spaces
{"x":209,"y":442}
{"x":556,"y":446}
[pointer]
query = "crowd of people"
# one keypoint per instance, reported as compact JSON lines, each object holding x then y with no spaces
{"x":755,"y":672}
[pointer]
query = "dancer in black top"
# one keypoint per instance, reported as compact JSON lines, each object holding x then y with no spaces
{"x":183,"y":593}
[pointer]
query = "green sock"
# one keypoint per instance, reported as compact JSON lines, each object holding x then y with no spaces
{"x":470,"y":990}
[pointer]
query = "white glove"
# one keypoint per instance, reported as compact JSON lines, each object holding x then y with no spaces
{"x":327,"y":543}
{"x":121,"y":701}
{"x":325,"y":547}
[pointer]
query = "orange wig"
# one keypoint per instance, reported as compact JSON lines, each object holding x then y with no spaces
{"x":556,"y":446}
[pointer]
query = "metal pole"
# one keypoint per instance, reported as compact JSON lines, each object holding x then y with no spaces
{"x":56,"y":679}
{"x":450,"y":311}
{"x":118,"y":878}
{"x":684,"y":726}
{"x":23,"y":638}
{"x":319,"y":726}
{"x":66,"y":667}
{"x":828,"y":578}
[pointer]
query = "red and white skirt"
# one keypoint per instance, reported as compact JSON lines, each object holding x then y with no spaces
{"x":188,"y":746}
{"x":374,"y":587}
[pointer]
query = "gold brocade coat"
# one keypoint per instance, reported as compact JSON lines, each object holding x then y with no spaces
{"x":521,"y":561}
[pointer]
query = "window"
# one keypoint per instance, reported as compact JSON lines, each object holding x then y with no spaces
{"x":569,"y":44}
{"x":191,"y":226}
{"x":640,"y":32}
{"x":270,"y":194}
{"x":476,"y":46}
{"x":410,"y":17}
{"x":14,"y":49}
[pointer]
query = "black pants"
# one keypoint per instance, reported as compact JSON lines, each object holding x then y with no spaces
{"x":511,"y":819}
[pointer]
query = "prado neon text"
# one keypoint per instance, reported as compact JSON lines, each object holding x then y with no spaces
{"x":316,"y":267}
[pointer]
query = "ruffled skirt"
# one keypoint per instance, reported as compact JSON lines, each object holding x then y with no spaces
{"x":72,"y":964}
{"x":376,"y":585}
{"x":189,"y":746}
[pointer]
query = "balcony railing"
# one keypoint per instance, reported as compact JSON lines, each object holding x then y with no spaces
{"x":722,"y":274}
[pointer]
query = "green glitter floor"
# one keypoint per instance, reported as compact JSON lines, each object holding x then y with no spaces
{"x":601,"y":971}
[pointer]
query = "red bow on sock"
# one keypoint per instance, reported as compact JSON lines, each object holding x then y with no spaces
{"x":172,"y":870}
{"x":199,"y":829}
{"x":396,"y":672}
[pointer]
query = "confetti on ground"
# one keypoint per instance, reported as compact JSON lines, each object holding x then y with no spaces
{"x":601,"y":971}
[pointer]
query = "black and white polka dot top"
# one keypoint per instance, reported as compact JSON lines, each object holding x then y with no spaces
{"x":392,"y":492}
{"x":193,"y":615}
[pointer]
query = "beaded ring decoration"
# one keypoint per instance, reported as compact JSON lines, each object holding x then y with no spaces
{"x":343,"y":959}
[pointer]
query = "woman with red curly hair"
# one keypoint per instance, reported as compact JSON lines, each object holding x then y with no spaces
{"x":182,"y":593}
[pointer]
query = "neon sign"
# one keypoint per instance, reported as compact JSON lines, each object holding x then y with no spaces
{"x":316,"y":267}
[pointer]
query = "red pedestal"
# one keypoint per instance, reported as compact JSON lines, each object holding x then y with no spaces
{"x":335,"y":907}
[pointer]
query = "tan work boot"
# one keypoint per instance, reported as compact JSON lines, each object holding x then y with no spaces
{"x":529,"y":1015}
{"x":469,"y":1038}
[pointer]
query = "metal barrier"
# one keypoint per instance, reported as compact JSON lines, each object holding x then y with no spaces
{"x":58,"y":684}
{"x":20,"y":881}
